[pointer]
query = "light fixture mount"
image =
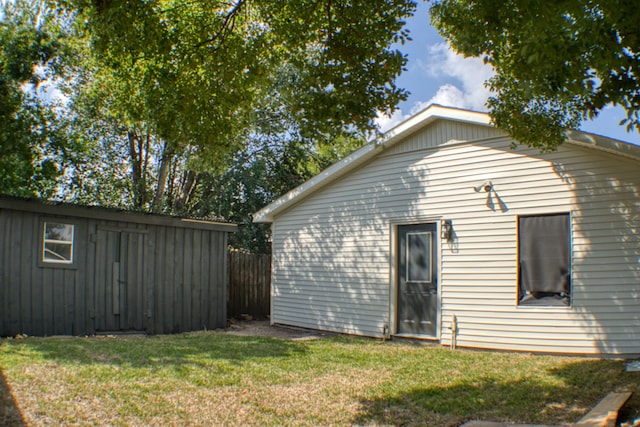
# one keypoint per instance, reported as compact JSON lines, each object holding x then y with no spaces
{"x":447,"y":230}
{"x":487,"y":186}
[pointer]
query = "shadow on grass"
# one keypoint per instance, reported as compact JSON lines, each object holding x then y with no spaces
{"x":570,"y":390}
{"x":9,"y":413}
{"x":161,"y":350}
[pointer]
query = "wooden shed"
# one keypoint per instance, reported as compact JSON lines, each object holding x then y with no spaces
{"x":442,"y":231}
{"x":76,"y":270}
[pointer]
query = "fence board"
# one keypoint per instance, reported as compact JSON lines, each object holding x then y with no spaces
{"x":249,"y":285}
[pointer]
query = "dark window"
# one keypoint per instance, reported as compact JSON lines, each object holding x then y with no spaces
{"x":544,"y":260}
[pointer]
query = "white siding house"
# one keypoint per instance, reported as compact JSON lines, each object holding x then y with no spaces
{"x":430,"y":232}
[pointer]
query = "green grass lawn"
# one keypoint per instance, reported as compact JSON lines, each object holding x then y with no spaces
{"x":213,"y":378}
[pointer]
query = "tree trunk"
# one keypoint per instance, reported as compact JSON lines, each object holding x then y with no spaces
{"x":145,"y":167}
{"x":185,"y":189}
{"x":163,"y":174}
{"x":135,"y":156}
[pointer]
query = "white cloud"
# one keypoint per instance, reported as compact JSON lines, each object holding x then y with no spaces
{"x":418,"y":106}
{"x":463,"y":88}
{"x":385,"y":122}
{"x":450,"y":96}
{"x":467,"y":77}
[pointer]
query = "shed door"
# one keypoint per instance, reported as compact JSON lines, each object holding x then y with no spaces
{"x":417,"y":280}
{"x":118,"y":281}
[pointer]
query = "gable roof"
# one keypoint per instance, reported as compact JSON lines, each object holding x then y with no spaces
{"x":412,"y":125}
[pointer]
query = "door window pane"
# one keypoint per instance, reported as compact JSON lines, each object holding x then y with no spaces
{"x":418,"y":263}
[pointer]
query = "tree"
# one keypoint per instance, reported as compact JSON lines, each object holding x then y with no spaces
{"x":212,"y":108}
{"x":33,"y":149}
{"x":202,"y":108}
{"x":121,"y":166}
{"x":198,"y":76}
{"x":557,"y":63}
{"x":268,"y":167}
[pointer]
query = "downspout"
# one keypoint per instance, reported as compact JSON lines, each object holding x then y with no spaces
{"x":454,"y":331}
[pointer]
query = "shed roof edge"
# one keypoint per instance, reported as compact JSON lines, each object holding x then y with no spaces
{"x":109,"y":214}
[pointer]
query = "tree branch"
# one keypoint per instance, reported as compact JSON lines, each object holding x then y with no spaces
{"x":227,"y":25}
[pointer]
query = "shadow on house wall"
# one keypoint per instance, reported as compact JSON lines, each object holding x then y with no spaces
{"x":332,"y":268}
{"x":335,"y":258}
{"x":606,"y":255}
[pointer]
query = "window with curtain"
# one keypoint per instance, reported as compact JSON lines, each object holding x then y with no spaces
{"x":544,"y":260}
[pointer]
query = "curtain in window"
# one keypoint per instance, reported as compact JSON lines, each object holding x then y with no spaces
{"x":544,"y":256}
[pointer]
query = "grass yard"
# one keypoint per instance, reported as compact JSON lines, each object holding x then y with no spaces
{"x":214,"y":378}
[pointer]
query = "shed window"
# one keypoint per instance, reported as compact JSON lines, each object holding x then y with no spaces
{"x":544,"y":260}
{"x":57,"y":245}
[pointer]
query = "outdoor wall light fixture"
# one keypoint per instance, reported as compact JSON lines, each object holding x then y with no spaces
{"x":486,"y":186}
{"x":447,"y":230}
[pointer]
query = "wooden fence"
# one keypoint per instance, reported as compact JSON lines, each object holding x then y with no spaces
{"x":249,"y":285}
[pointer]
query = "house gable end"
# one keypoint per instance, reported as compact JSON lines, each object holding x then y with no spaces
{"x":443,"y":132}
{"x":430,"y":128}
{"x":433,"y":127}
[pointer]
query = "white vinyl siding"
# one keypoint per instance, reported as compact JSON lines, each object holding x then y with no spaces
{"x":442,"y":132}
{"x":333,"y":255}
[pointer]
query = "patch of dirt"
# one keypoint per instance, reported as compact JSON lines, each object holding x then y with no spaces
{"x":262,"y":328}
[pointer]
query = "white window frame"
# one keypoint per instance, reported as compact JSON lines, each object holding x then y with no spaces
{"x":45,"y":241}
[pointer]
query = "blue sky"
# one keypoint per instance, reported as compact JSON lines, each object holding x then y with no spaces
{"x":437,"y":75}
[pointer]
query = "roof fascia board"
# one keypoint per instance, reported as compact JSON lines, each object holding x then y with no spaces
{"x":410,"y":126}
{"x":333,"y":172}
{"x":602,"y":143}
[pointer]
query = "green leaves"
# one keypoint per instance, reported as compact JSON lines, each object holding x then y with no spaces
{"x":240,"y":100}
{"x":186,"y":107}
{"x":557,"y":63}
{"x":33,"y":153}
{"x":202,"y":67}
